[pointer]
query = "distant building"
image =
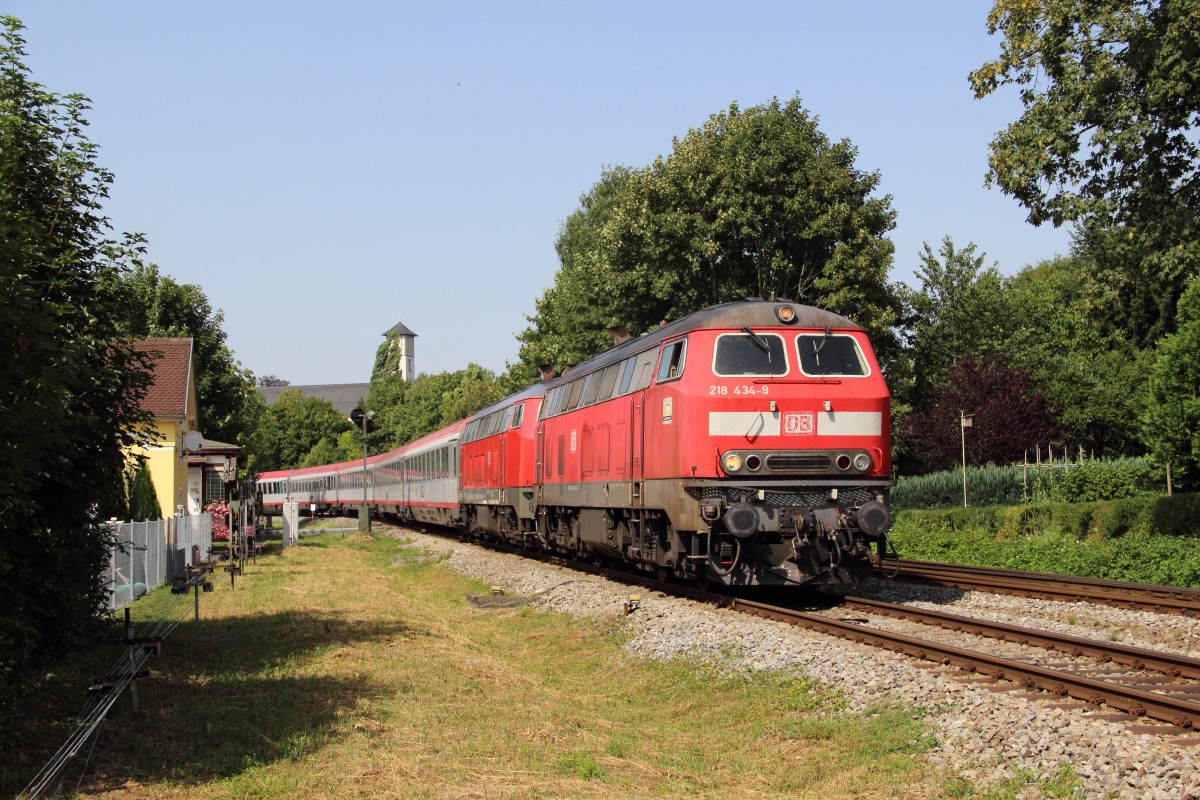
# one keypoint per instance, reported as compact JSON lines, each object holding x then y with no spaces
{"x":404,"y":340}
{"x":344,"y":397}
{"x":399,"y":353}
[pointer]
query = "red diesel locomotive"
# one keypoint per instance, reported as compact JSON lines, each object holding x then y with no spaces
{"x":744,"y":444}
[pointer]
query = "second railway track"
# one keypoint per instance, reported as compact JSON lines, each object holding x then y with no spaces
{"x":1138,"y":596}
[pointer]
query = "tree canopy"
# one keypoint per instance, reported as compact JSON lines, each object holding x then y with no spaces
{"x":1011,"y":416}
{"x":287,"y":431}
{"x":1171,"y":420}
{"x":1111,"y":95}
{"x":158,"y":306}
{"x":754,"y":203}
{"x":70,"y":389}
{"x":407,"y":411}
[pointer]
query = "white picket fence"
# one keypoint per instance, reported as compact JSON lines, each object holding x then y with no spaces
{"x":149,"y":554}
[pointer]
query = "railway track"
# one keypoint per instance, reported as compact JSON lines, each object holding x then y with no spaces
{"x":1141,"y":683}
{"x":1119,"y":680}
{"x":1138,"y":596}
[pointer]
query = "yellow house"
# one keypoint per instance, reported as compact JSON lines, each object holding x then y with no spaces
{"x":171,"y":399}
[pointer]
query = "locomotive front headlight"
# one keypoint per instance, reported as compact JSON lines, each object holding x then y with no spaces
{"x":862,"y":462}
{"x":786,"y":314}
{"x":732,"y":462}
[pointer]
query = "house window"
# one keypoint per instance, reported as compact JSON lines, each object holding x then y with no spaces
{"x":214,"y":487}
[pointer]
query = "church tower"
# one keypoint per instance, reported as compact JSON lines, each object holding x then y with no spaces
{"x":404,"y":340}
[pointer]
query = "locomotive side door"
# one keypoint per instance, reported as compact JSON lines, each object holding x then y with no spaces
{"x":503,"y":458}
{"x":637,"y":432}
{"x":540,"y":458}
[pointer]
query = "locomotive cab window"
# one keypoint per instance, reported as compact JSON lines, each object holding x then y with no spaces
{"x":750,"y":353}
{"x":670,"y":366}
{"x":518,"y":416}
{"x":824,"y":354}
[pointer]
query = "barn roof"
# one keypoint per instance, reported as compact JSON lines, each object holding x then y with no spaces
{"x":167,"y":395}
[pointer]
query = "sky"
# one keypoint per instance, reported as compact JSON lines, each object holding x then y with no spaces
{"x":323,"y":170}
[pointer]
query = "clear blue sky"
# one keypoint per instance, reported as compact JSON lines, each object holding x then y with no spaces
{"x":324,"y":169}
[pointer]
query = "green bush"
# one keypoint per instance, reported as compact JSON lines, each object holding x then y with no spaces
{"x":1178,"y":514}
{"x":1096,"y":480}
{"x":1145,"y":539}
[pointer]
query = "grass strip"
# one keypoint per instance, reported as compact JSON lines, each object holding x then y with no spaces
{"x":330,"y":672}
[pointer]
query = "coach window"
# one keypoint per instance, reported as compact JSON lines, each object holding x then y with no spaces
{"x":670,"y":367}
{"x":826,"y":354}
{"x":749,"y":354}
{"x":643,"y":370}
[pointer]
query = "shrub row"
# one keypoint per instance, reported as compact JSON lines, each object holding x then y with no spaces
{"x":1015,"y":484}
{"x":1146,"y":539}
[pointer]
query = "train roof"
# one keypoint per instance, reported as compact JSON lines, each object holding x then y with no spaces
{"x":533,"y":390}
{"x":740,"y":314}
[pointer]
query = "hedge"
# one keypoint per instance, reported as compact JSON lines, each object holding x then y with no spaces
{"x":1064,"y":482}
{"x":1145,"y":539}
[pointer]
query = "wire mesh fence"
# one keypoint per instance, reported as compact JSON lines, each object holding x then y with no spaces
{"x":148,"y":554}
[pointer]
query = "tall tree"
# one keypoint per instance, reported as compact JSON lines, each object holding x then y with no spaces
{"x":158,"y":306}
{"x":70,"y":389}
{"x":288,"y":430}
{"x":960,"y":307}
{"x":1171,"y":420}
{"x":1111,"y":92}
{"x":407,"y":411}
{"x":754,"y":203}
{"x":1091,"y":372}
{"x":1010,"y":414}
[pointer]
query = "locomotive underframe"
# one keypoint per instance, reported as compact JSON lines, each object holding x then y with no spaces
{"x":803,"y":530}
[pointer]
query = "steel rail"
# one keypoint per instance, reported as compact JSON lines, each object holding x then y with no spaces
{"x":1138,"y":596}
{"x":1131,"y":700}
{"x":1178,"y":666}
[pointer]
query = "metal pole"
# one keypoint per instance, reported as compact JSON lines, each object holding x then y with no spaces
{"x":962,"y":427}
{"x":364,"y":524}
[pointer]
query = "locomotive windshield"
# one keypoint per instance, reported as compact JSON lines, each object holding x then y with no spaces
{"x":824,"y":354}
{"x":750,"y":354}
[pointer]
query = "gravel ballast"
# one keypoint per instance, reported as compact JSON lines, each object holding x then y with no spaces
{"x":986,"y":732}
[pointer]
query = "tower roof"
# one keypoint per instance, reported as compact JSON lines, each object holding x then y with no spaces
{"x":400,"y":329}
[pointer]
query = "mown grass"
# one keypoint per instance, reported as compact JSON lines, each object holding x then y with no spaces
{"x":328,"y":672}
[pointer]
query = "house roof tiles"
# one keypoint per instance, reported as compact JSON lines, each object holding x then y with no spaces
{"x":167,"y":395}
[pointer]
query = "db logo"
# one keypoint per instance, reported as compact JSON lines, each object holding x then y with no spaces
{"x":799,"y":423}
